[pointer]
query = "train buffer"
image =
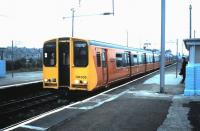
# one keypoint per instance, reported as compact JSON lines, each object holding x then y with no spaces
{"x":20,"y":78}
{"x":135,"y":106}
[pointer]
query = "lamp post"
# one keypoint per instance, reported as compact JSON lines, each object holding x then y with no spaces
{"x":190,"y":8}
{"x":162,"y":62}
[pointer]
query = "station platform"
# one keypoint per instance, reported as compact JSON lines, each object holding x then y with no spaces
{"x":135,"y":106}
{"x":20,"y":78}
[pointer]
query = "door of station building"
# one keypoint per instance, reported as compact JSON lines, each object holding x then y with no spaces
{"x":64,"y":71}
{"x":104,"y":66}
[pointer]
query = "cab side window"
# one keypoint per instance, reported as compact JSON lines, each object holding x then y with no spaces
{"x":80,"y":54}
{"x":98,"y":58}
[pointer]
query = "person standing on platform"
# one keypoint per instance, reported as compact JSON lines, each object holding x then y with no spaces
{"x":183,"y":69}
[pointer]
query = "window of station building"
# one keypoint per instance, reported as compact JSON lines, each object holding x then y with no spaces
{"x":49,"y":54}
{"x":119,"y":60}
{"x":80,"y":54}
{"x":98,"y":57}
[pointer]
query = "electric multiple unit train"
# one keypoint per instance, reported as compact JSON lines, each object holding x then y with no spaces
{"x":86,"y":65}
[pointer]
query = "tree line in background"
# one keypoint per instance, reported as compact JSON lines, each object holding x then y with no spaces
{"x":23,"y":59}
{"x":24,"y":64}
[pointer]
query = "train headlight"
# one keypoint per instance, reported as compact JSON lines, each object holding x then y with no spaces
{"x":76,"y":81}
{"x":85,"y":82}
{"x":45,"y":80}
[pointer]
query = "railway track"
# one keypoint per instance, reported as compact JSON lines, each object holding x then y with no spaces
{"x":15,"y":111}
{"x":15,"y":106}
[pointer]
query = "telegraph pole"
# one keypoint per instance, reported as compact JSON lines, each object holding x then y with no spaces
{"x":113,"y":7}
{"x":162,"y":62}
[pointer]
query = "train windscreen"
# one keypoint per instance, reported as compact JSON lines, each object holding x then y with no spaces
{"x":49,"y":54}
{"x":80,"y":54}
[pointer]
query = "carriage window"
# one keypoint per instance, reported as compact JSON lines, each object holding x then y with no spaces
{"x":98,"y":59}
{"x":49,"y":54}
{"x":126,"y":60}
{"x":156,"y":57}
{"x":153,"y":58}
{"x":148,"y":60}
{"x":80,"y":54}
{"x":141,"y":59}
{"x":119,"y":60}
{"x":134,"y":60}
{"x":103,"y":59}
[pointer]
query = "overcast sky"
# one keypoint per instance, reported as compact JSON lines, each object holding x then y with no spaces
{"x":31,"y":22}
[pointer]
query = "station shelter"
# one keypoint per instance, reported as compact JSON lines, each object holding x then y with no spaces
{"x":192,"y":81}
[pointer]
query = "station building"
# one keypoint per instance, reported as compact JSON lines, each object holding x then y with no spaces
{"x":192,"y":82}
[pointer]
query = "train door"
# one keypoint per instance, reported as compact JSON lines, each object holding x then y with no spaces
{"x":145,"y":61}
{"x":64,"y":71}
{"x":129,"y":63}
{"x":104,"y":66}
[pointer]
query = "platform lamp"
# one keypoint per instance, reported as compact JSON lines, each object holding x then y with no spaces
{"x":162,"y":62}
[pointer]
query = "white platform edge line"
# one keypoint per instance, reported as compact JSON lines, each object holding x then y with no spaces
{"x":20,"y":84}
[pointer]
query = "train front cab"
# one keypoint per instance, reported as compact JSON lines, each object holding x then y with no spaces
{"x":56,"y":65}
{"x":68,"y":64}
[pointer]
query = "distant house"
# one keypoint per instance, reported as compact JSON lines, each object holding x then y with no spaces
{"x":2,"y":63}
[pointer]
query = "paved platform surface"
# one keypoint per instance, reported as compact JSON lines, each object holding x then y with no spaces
{"x":20,"y":77}
{"x":137,"y":106}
